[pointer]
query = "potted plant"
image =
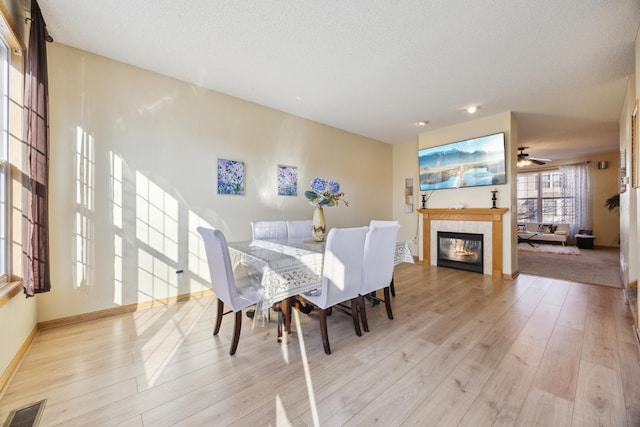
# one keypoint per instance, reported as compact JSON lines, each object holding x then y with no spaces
{"x":613,"y":202}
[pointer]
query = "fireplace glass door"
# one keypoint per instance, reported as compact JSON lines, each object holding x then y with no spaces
{"x":460,"y":250}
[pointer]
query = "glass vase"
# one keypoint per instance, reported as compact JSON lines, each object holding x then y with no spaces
{"x":319,"y":226}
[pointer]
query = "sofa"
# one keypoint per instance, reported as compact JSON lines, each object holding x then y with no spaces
{"x":543,"y":232}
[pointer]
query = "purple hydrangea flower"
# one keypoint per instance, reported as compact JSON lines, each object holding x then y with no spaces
{"x":334,"y":187}
{"x":318,"y":185}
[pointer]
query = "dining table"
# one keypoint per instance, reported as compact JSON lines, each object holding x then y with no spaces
{"x":287,"y":267}
{"x":284,"y":268}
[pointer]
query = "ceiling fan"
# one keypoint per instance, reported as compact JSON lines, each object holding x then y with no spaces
{"x":525,"y":160}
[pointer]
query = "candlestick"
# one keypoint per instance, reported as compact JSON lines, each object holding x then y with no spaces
{"x":494,"y":198}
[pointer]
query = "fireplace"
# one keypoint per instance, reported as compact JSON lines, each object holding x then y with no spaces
{"x":460,"y":250}
{"x":487,"y":221}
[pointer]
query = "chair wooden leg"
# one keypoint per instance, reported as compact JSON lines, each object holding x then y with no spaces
{"x":280,"y":323}
{"x":374,"y":300}
{"x":323,"y":331}
{"x":393,"y":288}
{"x":219,"y":317}
{"x":236,"y":333}
{"x":284,"y":318}
{"x":363,"y":313}
{"x":387,"y":302}
{"x":354,"y":315}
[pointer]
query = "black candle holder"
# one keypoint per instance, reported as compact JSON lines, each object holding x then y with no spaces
{"x":424,"y":201}
{"x":494,"y":198}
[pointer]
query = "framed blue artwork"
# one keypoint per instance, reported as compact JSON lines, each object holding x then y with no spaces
{"x":287,"y":180}
{"x":230,"y":177}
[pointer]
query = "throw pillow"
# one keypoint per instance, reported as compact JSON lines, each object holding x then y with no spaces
{"x":554,"y":228}
{"x":544,"y":228}
{"x":522,"y":227}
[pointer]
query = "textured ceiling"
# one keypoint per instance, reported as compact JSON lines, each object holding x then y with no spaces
{"x":376,"y":67}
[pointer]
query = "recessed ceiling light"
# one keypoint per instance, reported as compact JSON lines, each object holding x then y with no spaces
{"x":422,"y":123}
{"x":472,"y":109}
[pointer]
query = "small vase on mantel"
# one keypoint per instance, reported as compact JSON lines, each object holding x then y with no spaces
{"x":319,"y":226}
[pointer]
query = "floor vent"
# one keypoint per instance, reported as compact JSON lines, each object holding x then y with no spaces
{"x":27,"y":416}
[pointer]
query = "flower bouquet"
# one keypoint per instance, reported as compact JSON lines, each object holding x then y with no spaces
{"x":324,"y":193}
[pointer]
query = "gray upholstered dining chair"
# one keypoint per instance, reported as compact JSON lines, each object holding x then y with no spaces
{"x":379,"y":252}
{"x":237,"y":293}
{"x":341,"y":276}
{"x":299,"y":229}
{"x":261,"y":230}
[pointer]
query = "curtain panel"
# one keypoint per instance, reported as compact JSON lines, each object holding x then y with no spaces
{"x":36,"y":274}
{"x":578,"y":187}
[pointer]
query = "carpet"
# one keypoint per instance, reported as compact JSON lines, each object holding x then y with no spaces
{"x":550,"y":249}
{"x":599,"y":266}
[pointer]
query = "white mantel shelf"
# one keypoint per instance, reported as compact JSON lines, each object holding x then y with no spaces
{"x":466,"y":214}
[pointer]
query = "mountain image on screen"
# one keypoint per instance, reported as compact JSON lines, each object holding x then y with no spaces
{"x":470,"y":163}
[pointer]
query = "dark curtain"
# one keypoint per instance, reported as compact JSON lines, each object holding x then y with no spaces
{"x":35,"y":273}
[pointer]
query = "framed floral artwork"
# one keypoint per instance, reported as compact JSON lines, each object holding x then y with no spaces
{"x":230,"y":177}
{"x":287,"y":180}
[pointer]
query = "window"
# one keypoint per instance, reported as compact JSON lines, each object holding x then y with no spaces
{"x":4,"y":161}
{"x":546,"y":197}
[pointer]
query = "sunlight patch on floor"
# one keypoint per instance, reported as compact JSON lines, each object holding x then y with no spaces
{"x":307,"y":373}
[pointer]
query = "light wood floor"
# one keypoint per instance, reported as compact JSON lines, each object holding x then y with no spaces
{"x":464,"y":349}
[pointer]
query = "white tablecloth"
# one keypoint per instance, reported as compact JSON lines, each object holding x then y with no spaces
{"x":287,"y":267}
{"x":403,"y":253}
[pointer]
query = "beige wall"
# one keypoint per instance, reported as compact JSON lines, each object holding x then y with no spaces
{"x":169,"y":135}
{"x":628,"y":199}
{"x":18,"y":316}
{"x":405,"y":166}
{"x":606,"y":223}
{"x":476,"y":197}
{"x":634,"y":256}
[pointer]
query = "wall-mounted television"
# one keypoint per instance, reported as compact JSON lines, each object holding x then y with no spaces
{"x":470,"y":163}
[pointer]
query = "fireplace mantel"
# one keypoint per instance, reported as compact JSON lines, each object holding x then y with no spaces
{"x":467,"y":214}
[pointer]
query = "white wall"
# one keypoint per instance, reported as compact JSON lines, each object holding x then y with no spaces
{"x":169,"y":135}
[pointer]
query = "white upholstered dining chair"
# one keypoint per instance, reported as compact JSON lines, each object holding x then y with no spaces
{"x":261,"y":230}
{"x":236,"y":293}
{"x":299,"y":229}
{"x":379,"y":252}
{"x":341,"y":276}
